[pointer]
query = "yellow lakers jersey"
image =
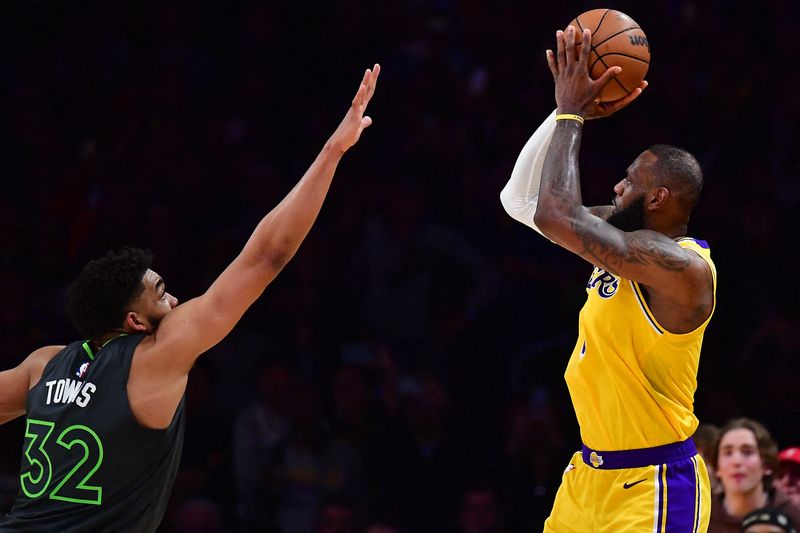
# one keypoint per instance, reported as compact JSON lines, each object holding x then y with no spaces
{"x":631,"y":381}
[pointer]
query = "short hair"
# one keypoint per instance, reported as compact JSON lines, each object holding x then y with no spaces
{"x":705,"y":436}
{"x":99,"y":298}
{"x":680,"y":172}
{"x":767,"y":447}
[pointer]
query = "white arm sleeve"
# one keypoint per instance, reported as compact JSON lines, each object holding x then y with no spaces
{"x":521,"y":194}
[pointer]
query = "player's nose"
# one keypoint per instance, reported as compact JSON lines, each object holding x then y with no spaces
{"x":619,"y":188}
{"x":172,"y":300}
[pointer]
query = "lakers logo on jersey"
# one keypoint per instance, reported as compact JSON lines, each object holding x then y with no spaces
{"x":596,"y":459}
{"x":606,"y":283}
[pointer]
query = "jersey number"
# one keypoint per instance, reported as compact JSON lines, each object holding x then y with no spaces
{"x":74,"y":486}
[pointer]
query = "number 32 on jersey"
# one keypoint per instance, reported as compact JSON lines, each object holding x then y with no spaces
{"x":74,"y":487}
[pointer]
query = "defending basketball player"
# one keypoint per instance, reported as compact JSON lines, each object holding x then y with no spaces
{"x":105,"y":415}
{"x":633,"y":372}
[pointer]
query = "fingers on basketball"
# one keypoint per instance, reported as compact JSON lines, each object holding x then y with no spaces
{"x":616,"y":40}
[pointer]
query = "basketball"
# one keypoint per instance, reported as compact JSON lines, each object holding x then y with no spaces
{"x":616,"y":41}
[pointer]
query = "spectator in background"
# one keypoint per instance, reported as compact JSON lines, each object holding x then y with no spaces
{"x":767,"y":521}
{"x":336,"y":515}
{"x":430,"y":456}
{"x":530,"y":469}
{"x":705,"y":437}
{"x":310,"y":466}
{"x":364,"y":394}
{"x":787,"y":474}
{"x":424,"y":280}
{"x":769,"y":356}
{"x":365,"y":416}
{"x":382,"y":526}
{"x":204,"y":478}
{"x":194,"y":516}
{"x":260,"y":428}
{"x":744,"y":458}
{"x":479,"y":511}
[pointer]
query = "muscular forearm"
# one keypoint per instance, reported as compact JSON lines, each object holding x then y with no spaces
{"x":560,"y":193}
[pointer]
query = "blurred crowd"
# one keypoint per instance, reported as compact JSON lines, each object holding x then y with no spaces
{"x":404,"y":373}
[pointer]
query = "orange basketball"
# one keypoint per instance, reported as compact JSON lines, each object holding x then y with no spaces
{"x":616,"y":41}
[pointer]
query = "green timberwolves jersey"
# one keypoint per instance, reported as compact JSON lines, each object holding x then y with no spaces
{"x":87,"y":464}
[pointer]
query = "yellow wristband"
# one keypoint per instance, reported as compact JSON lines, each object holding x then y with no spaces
{"x":567,"y":116}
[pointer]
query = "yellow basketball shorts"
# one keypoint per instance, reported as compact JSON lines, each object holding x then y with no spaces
{"x":655,"y":490}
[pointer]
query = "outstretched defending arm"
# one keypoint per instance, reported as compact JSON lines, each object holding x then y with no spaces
{"x":194,"y":327}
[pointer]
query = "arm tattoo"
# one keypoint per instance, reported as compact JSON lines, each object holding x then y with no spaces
{"x":600,"y":244}
{"x":639,"y":248}
{"x":561,"y":176}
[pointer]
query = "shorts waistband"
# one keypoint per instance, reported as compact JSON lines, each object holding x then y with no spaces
{"x":640,"y":457}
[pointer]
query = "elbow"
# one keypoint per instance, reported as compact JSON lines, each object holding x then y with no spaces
{"x":552,"y":223}
{"x":270,"y":259}
{"x":546,"y":220}
{"x":518,"y":208}
{"x":506,"y":201}
{"x":276,"y":259}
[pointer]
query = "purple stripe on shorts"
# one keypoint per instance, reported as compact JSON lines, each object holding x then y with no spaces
{"x":668,"y":453}
{"x":681,"y":496}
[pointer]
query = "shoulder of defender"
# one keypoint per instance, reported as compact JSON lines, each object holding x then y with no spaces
{"x":43,"y":355}
{"x":46,"y":353}
{"x":36,"y":362}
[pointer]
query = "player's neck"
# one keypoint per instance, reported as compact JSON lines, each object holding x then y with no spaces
{"x":99,"y":342}
{"x":671,"y":224}
{"x":679,"y":232}
{"x":672,"y":231}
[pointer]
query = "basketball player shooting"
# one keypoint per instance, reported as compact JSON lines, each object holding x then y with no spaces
{"x":633,"y":372}
{"x":105,"y":415}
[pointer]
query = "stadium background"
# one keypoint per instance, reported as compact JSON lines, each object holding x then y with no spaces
{"x":176,"y":125}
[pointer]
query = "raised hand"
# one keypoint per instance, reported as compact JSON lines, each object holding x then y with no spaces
{"x":354,"y":122}
{"x":576,"y":91}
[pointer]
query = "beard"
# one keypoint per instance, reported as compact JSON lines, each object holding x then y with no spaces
{"x":629,"y":219}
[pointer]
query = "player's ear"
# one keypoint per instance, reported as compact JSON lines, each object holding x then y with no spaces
{"x":133,"y":322}
{"x":658,"y":198}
